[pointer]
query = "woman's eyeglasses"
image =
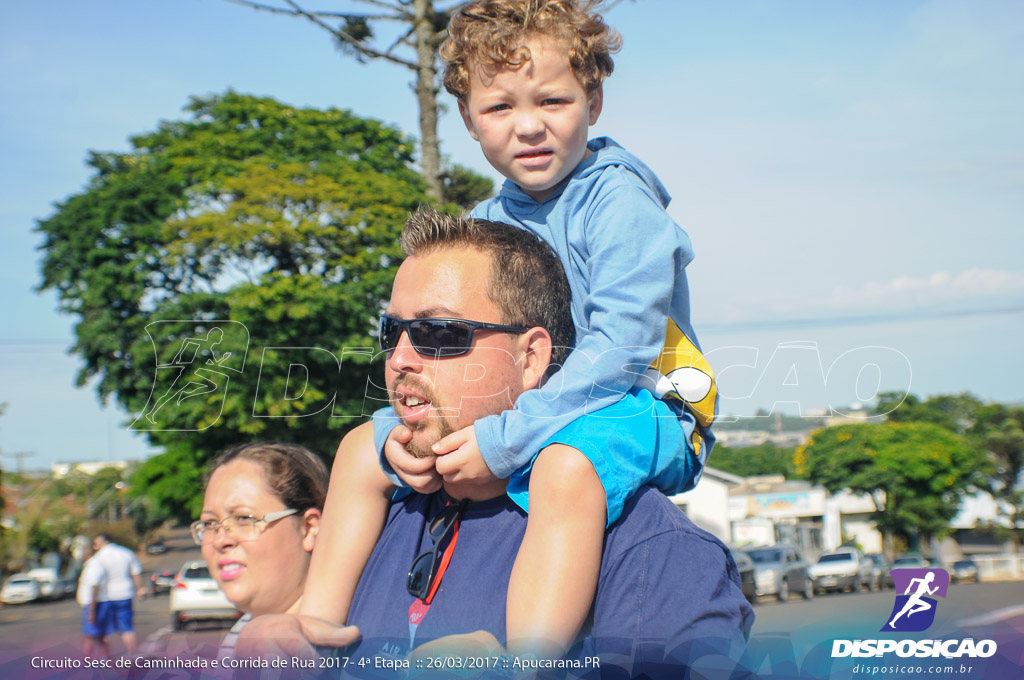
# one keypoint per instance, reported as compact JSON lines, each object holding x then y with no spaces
{"x":240,"y":527}
{"x":425,"y":567}
{"x":436,"y":337}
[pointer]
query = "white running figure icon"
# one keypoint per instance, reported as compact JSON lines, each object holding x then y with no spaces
{"x":198,"y":380}
{"x":915,"y":604}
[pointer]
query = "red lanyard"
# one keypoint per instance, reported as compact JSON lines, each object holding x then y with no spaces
{"x":419,"y":608}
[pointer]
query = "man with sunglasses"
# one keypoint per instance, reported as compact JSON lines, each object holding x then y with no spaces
{"x":668,"y":592}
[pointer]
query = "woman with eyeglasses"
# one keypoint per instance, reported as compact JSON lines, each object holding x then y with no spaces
{"x":260,"y":518}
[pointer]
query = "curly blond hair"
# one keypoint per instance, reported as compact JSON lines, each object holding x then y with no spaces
{"x":492,"y":32}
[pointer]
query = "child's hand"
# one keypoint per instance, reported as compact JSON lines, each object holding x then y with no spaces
{"x":418,"y":473}
{"x":459,"y":458}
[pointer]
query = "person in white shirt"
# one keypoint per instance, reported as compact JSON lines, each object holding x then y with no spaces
{"x":123,"y":578}
{"x":94,"y":630}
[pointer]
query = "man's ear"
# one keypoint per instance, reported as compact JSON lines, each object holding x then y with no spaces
{"x":310,"y":528}
{"x":596,"y":103}
{"x":536,"y":356}
{"x":464,"y":112}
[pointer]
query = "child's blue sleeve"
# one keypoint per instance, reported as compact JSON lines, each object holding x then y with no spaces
{"x":634,"y":263}
{"x":384,"y":420}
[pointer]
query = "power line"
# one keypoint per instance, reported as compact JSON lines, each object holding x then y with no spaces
{"x":860,"y":320}
{"x":36,"y":341}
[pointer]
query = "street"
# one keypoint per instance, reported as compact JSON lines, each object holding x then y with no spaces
{"x":965,"y":602}
{"x":787,"y":636}
{"x":795,"y":638}
{"x":54,"y":628}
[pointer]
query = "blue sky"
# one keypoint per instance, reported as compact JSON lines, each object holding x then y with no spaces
{"x":851,"y":174}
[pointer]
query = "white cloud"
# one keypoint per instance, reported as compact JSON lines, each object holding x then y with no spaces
{"x":981,"y":286}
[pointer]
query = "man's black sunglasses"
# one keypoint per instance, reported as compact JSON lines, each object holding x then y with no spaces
{"x":436,"y":337}
{"x":424,"y":567}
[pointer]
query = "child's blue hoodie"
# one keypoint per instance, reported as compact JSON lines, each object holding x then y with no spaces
{"x":625,"y":259}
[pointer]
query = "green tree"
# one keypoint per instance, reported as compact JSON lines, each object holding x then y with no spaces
{"x":406,"y":33}
{"x":995,"y":429}
{"x":172,"y":482}
{"x":915,"y":472}
{"x":748,"y":461}
{"x":999,"y":431}
{"x":953,"y":412}
{"x":202,"y":259}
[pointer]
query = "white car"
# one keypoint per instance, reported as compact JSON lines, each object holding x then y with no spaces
{"x":844,"y":569}
{"x":197,"y":596}
{"x":50,"y":587}
{"x":20,"y":588}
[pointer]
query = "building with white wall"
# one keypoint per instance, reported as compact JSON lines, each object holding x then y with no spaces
{"x":708,"y":504}
{"x":59,"y":470}
{"x":769,"y":509}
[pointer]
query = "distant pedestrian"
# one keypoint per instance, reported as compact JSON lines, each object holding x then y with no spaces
{"x":121,"y":568}
{"x":94,"y":629}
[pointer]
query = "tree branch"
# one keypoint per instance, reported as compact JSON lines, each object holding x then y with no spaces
{"x":397,"y":8}
{"x":356,"y":45}
{"x":314,"y":17}
{"x":402,"y":39}
{"x":399,"y":15}
{"x":350,"y":15}
{"x":261,"y":7}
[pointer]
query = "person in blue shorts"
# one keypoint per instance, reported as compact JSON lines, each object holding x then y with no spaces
{"x":122,"y":571}
{"x":95,"y":628}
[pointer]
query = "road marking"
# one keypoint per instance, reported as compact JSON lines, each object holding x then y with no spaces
{"x":992,"y":618}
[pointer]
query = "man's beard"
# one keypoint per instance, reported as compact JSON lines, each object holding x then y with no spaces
{"x":444,"y":425}
{"x":444,"y":428}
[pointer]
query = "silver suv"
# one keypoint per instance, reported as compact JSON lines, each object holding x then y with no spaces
{"x":780,"y":570}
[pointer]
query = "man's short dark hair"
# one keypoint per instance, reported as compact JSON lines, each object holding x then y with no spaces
{"x":527,"y":284}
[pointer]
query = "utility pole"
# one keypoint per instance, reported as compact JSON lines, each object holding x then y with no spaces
{"x":21,"y":456}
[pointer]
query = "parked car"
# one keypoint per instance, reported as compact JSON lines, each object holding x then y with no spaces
{"x":909,"y":561}
{"x":69,"y":586}
{"x":196,"y":596}
{"x":780,"y":570}
{"x":20,"y":588}
{"x":162,"y":581}
{"x":842,"y":569}
{"x":745,"y":565}
{"x":883,"y":568}
{"x":156,"y":548}
{"x":965,"y":570}
{"x":50,"y":587}
{"x":936,"y":563}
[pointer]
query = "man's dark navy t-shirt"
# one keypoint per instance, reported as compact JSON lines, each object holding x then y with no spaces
{"x":667,"y":591}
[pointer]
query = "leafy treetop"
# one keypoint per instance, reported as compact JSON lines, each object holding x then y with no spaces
{"x":271,"y":226}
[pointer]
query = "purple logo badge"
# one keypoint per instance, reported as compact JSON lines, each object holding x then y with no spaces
{"x":914,"y":611}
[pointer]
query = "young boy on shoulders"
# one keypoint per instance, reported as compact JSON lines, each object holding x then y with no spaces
{"x":633,"y":403}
